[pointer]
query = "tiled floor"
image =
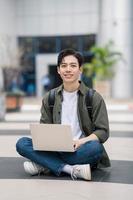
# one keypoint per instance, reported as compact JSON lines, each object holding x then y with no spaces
{"x":110,"y":184}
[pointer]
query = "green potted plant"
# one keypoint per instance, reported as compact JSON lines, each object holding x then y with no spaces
{"x":14,"y":100}
{"x":101,"y":67}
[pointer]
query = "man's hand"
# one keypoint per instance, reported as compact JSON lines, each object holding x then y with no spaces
{"x":77,"y":143}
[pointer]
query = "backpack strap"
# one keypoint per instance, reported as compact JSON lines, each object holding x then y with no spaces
{"x":51,"y":100}
{"x":89,"y":100}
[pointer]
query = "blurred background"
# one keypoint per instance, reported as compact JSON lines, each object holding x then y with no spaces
{"x":33,"y":32}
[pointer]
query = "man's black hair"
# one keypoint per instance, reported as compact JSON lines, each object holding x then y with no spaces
{"x":69,"y":52}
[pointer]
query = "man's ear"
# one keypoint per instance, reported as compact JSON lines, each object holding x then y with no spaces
{"x":81,"y":69}
{"x":58,"y":70}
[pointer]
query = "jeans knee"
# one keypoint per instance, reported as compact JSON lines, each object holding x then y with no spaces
{"x":97,"y":148}
{"x":98,"y":151}
{"x":20,"y":145}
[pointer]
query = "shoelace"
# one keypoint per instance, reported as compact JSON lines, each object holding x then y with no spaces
{"x":43,"y":170}
{"x":40,"y":170}
{"x":74,"y":173}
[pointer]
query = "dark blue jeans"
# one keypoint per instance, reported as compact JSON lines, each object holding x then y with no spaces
{"x":89,"y":153}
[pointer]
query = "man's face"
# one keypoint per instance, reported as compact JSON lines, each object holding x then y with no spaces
{"x":69,"y":69}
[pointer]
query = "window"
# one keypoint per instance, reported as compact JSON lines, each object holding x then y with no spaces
{"x":69,"y":42}
{"x":87,"y":42}
{"x":46,"y":45}
{"x":27,"y":44}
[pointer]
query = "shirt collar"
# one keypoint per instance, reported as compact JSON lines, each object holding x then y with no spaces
{"x":82,"y":88}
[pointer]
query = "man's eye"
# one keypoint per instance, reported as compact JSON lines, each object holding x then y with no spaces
{"x":63,"y":66}
{"x":73,"y":66}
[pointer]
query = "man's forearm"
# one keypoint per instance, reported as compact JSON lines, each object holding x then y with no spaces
{"x":79,"y":142}
{"x":90,"y":138}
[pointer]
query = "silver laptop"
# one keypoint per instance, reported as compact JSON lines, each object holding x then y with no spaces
{"x":52,"y":137}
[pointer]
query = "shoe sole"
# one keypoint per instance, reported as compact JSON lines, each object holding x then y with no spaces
{"x":87,"y":172}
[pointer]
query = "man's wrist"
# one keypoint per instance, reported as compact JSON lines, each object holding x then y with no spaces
{"x":89,"y":138}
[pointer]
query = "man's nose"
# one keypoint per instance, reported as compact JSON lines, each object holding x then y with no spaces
{"x":68,"y":68}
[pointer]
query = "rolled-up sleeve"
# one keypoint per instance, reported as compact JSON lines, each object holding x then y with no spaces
{"x":100,"y":118}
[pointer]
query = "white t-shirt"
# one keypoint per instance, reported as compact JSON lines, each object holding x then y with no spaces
{"x":69,"y":113}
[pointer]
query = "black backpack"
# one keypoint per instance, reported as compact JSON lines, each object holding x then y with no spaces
{"x":88,"y":100}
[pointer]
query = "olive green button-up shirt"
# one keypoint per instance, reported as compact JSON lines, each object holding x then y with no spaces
{"x":99,"y":124}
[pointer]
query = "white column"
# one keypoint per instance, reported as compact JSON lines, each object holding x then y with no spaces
{"x":116,"y":23}
{"x":42,"y":63}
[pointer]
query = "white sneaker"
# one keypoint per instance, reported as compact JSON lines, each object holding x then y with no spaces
{"x":82,"y":172}
{"x":34,"y":169}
